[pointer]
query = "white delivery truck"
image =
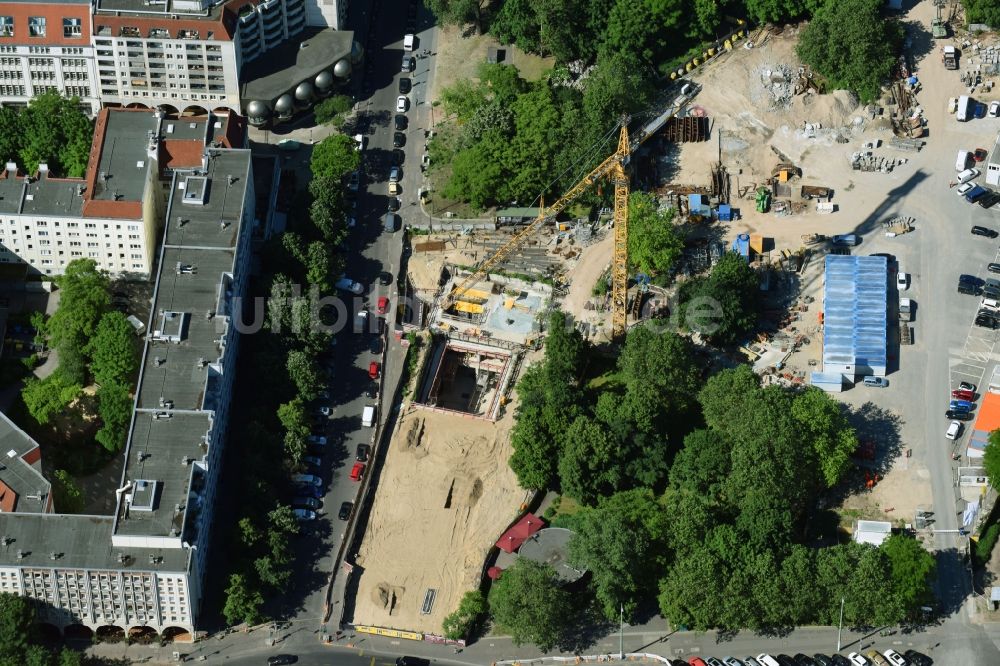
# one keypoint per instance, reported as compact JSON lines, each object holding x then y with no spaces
{"x":964,"y":111}
{"x":368,"y":416}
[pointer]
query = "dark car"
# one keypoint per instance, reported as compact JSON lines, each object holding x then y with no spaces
{"x":310,"y":503}
{"x":803,"y":660}
{"x":958,"y":416}
{"x":412,"y":661}
{"x":983,"y":231}
{"x":394,"y":204}
{"x":375,"y":346}
{"x":404,"y":86}
{"x":385,"y":278}
{"x":372,"y":390}
{"x":345,"y":510}
{"x":989,"y":200}
{"x":785,"y":660}
{"x":986,"y":322}
{"x":980,"y":111}
{"x":822,"y":660}
{"x":280,"y":659}
{"x":402,"y":122}
{"x":918,"y":658}
{"x":398,"y":157}
{"x":398,"y":140}
{"x":309,"y":491}
{"x":362,"y":452}
{"x":991,"y":292}
{"x":972,"y":279}
{"x":841,"y":660}
{"x":993,"y":268}
{"x":409,"y":63}
{"x":975,"y":194}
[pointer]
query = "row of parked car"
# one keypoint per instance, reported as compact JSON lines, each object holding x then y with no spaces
{"x":870,"y":658}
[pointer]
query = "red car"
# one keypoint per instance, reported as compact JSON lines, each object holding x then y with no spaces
{"x":373,"y":369}
{"x":962,"y":394}
{"x":697,"y":661}
{"x":383,"y":305}
{"x":357,"y":471}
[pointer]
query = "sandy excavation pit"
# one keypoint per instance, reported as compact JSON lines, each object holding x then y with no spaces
{"x":445,"y":496}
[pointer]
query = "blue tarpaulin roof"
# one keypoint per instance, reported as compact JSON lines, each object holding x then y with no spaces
{"x":854,"y":307}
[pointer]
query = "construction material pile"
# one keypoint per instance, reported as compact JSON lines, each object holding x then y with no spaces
{"x":775,"y":90}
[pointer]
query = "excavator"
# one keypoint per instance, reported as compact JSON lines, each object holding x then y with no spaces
{"x":613,"y":169}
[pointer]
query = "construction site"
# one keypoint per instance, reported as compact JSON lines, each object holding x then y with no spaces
{"x":753,"y":157}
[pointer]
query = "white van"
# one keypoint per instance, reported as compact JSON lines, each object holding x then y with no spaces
{"x":347,"y":284}
{"x":767,"y":660}
{"x":967,"y":175}
{"x":408,"y":42}
{"x":962,"y":160}
{"x":368,"y":416}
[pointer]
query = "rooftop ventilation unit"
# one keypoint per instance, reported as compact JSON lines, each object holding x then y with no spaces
{"x":143,"y":495}
{"x":172,"y":326}
{"x":195,"y":190}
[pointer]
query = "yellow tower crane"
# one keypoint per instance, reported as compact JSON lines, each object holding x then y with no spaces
{"x":613,"y":167}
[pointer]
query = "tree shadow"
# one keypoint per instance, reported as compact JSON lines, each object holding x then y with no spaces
{"x":587,"y":626}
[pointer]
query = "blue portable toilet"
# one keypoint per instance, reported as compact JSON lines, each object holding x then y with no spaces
{"x":741,"y":246}
{"x":725,"y":213}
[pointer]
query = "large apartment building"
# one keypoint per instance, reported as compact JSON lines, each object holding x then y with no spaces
{"x":46,"y":45}
{"x":114,"y":214}
{"x":143,"y":567}
{"x":193,"y":56}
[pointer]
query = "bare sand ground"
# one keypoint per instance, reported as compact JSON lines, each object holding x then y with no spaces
{"x":445,"y":496}
{"x":459,"y":56}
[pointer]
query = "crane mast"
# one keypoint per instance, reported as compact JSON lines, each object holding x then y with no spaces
{"x":619,"y":262}
{"x":613,"y":165}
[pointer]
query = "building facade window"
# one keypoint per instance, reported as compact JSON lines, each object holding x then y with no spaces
{"x":72,"y":27}
{"x":6,"y":26}
{"x":36,"y":26}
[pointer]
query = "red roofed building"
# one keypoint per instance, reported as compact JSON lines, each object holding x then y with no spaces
{"x":45,"y":45}
{"x":114,"y":214}
{"x":512,"y":539}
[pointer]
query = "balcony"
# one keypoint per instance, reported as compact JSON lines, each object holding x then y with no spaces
{"x":129,"y":31}
{"x":188,"y":34}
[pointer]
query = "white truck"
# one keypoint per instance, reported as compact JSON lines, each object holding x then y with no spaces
{"x":965,"y":108}
{"x":368,"y":416}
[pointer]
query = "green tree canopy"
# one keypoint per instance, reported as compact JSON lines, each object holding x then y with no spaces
{"x":622,"y":543}
{"x":51,"y":130}
{"x":305,"y":374}
{"x":982,"y":11}
{"x":724,"y":306}
{"x":47,"y":397}
{"x":334,"y":157}
{"x":913,"y":570}
{"x":461,"y":623}
{"x":656,"y":357}
{"x":17,"y":617}
{"x":333,"y":109}
{"x":529,"y":603}
{"x":461,"y":12}
{"x":851,"y":44}
{"x":654,"y":246}
{"x":821,"y":421}
{"x":991,"y":459}
{"x":112,"y":350}
{"x":115,"y":406}
{"x":243,"y":602}
{"x":548,"y":395}
{"x":83,"y":300}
